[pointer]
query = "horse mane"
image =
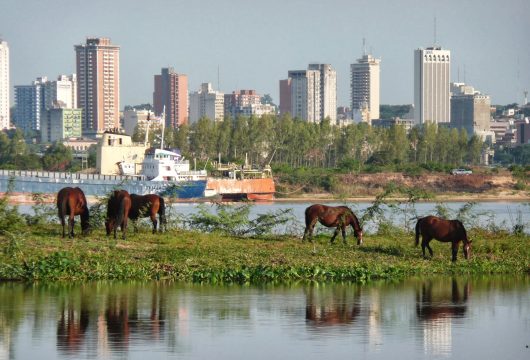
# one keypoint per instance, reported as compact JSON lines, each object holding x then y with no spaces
{"x":355,"y":220}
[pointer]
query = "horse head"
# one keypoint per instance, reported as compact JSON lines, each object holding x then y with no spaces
{"x":467,"y":249}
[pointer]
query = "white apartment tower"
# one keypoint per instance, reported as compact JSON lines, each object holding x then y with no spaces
{"x":61,"y":92}
{"x":98,"y":87}
{"x":365,"y":74}
{"x":4,"y":85}
{"x":432,"y":98}
{"x":314,"y":93}
{"x":206,"y":103}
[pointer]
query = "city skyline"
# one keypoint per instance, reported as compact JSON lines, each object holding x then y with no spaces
{"x":251,"y":45}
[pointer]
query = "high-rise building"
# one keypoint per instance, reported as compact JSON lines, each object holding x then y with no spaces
{"x":312,"y":93}
{"x":171,"y":92}
{"x":365,"y":84}
{"x":61,"y":92}
{"x":29,"y":105}
{"x":285,"y":96}
{"x":328,"y":91}
{"x":432,"y":74}
{"x":4,"y":85}
{"x":133,"y":119}
{"x":470,"y":109}
{"x":246,"y":103}
{"x":60,"y":123}
{"x":98,"y":90}
{"x":206,"y":103}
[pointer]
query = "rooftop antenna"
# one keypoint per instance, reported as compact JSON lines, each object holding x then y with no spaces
{"x":435,"y":31}
{"x":364,"y":47}
{"x":464,"y":73}
{"x":218,"y":81}
{"x":525,"y":97}
{"x":458,"y":74}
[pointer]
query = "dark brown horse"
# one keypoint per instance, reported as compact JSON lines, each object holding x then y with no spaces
{"x":72,"y":202}
{"x":339,"y":217}
{"x":453,"y":231}
{"x":148,"y":206}
{"x":118,"y":208}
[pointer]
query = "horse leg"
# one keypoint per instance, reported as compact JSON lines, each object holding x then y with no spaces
{"x":71,"y":223}
{"x":63,"y":223}
{"x":344,"y":233}
{"x":425,"y":244}
{"x":309,"y":230}
{"x":153,"y":219}
{"x":454,"y":250}
{"x":429,"y":247}
{"x":334,"y":234}
{"x":124,"y":228}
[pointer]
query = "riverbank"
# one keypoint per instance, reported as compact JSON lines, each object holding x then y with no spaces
{"x":39,"y":253}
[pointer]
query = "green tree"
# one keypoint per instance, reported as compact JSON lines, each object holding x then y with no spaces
{"x":57,"y":157}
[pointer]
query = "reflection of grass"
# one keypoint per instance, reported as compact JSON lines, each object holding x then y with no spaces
{"x":194,"y":256}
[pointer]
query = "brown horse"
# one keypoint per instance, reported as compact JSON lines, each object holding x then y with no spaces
{"x":72,"y":202}
{"x":118,"y":208}
{"x":453,"y":231}
{"x":332,"y":216}
{"x":148,"y":206}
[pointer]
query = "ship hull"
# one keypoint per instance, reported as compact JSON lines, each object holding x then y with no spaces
{"x":246,"y":189}
{"x":45,"y":182}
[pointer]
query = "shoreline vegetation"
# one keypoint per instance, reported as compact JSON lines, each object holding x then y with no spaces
{"x":226,"y":246}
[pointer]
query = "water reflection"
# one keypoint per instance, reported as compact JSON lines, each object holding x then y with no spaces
{"x":423,"y":316}
{"x":437,"y":305}
{"x":329,"y":305}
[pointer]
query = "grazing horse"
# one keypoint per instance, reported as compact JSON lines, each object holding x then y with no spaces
{"x":72,"y":202}
{"x":118,"y":208}
{"x":332,"y":216}
{"x":148,"y":206}
{"x":453,"y":231}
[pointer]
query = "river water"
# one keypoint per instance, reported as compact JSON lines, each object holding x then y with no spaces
{"x":435,"y":318}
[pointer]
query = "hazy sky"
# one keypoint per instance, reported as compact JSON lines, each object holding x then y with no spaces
{"x":255,"y":43}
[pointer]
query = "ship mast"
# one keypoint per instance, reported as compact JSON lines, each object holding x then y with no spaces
{"x":147,"y":129}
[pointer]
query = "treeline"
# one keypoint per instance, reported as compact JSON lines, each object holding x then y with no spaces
{"x":17,"y":154}
{"x":296,"y":143}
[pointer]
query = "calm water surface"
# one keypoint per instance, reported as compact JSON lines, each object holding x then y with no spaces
{"x":439,"y":318}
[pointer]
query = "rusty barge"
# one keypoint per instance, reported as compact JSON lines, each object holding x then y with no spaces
{"x":235,"y":183}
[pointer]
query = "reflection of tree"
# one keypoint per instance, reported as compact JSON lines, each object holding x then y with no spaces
{"x":72,"y":326}
{"x":341,"y":305}
{"x":432,"y":304}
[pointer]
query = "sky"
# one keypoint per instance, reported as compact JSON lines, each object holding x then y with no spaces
{"x":247,"y":44}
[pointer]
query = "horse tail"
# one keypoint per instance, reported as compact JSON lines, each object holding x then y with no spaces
{"x":63,"y":207}
{"x":121,"y":213}
{"x":418,"y":231}
{"x":162,"y":210}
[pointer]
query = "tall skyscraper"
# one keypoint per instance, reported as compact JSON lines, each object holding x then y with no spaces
{"x":470,"y":109}
{"x":171,"y":91}
{"x":4,"y":85}
{"x":29,"y":105}
{"x":313,"y":93}
{"x":98,"y":90}
{"x":285,"y":96}
{"x":328,"y":91}
{"x":365,"y":86}
{"x":206,"y":103}
{"x":432,"y":74}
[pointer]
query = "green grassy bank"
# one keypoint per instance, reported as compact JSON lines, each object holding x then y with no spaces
{"x":39,"y":253}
